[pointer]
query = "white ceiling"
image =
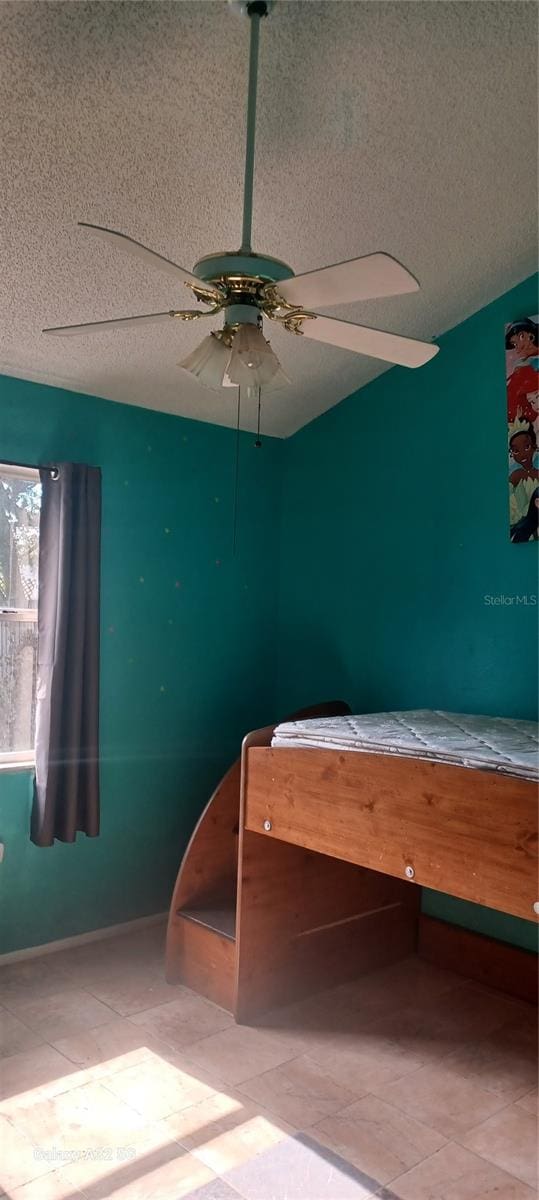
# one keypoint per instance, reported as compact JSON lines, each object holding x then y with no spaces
{"x":406,"y":127}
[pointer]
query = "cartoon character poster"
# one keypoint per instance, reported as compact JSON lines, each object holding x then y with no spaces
{"x":522,"y":371}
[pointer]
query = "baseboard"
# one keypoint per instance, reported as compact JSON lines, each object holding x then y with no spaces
{"x":94,"y":935}
{"x":496,"y":964}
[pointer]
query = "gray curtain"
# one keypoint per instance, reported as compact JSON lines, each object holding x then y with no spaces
{"x":66,"y":790}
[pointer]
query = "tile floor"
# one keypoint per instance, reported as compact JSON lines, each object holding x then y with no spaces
{"x":411,"y":1083}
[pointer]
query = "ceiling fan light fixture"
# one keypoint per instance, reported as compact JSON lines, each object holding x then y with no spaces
{"x":252,"y":360}
{"x":248,"y":285}
{"x":209,"y":361}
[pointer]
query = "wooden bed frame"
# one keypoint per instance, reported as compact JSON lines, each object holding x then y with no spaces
{"x":320,"y":884}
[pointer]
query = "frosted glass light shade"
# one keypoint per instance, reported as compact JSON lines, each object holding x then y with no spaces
{"x":249,"y":362}
{"x":252,"y":361}
{"x":208,"y":362}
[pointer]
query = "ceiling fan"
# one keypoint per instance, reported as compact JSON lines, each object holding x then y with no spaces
{"x":245,"y":286}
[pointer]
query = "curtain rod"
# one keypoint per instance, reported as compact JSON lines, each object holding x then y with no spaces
{"x":6,"y":462}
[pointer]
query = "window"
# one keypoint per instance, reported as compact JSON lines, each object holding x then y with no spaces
{"x":20,"y":502}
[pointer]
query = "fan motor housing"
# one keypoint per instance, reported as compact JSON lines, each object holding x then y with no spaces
{"x":260,"y":268}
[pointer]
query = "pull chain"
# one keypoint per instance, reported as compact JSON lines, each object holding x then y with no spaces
{"x":236,"y":477}
{"x":258,"y":443}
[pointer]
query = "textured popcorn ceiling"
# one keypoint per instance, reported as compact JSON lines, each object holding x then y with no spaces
{"x":407,"y":127}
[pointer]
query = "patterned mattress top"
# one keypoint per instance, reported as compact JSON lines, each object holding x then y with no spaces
{"x":485,"y":743}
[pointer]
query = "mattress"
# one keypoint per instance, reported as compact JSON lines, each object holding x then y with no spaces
{"x":485,"y":743}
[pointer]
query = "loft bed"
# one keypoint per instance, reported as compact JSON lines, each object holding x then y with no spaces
{"x":336,"y":822}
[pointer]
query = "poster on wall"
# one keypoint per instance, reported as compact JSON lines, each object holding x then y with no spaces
{"x":522,"y":373}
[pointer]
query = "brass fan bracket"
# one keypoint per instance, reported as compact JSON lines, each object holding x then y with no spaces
{"x":272,"y":300}
{"x":278,"y":309}
{"x":201,"y":293}
{"x":291,"y":319}
{"x":192,"y":314}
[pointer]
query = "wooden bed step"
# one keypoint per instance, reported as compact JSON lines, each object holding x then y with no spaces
{"x":202,"y":935}
{"x":202,"y":959}
{"x":219,"y":918}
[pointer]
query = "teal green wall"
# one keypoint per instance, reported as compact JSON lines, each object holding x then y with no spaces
{"x":394,"y":532}
{"x":186,"y":670}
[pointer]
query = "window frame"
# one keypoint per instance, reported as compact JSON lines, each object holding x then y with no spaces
{"x":18,"y":760}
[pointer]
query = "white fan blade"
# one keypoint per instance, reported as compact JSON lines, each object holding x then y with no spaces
{"x":390,"y":347}
{"x":359,"y":279}
{"x":98,"y":326}
{"x":152,"y":258}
